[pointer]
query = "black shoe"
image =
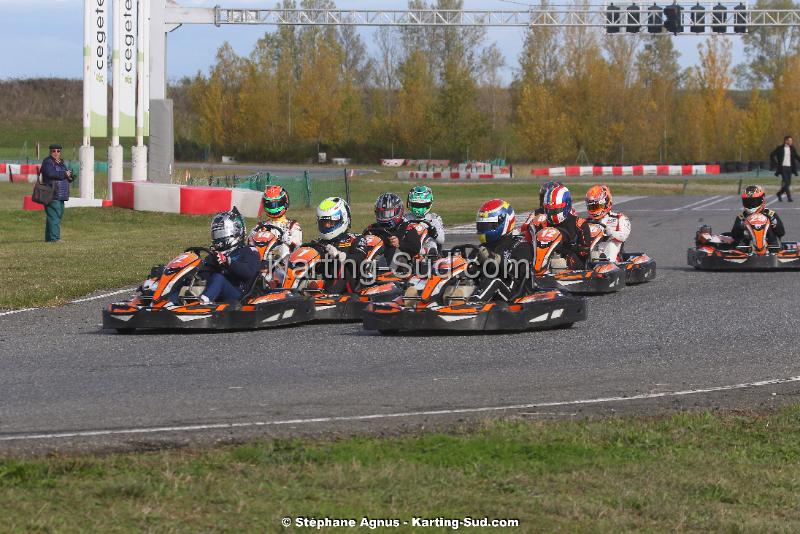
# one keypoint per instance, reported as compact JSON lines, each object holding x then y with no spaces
{"x":780,"y":198}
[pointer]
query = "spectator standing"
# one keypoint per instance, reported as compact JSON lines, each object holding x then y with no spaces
{"x":56,"y":173}
{"x":785,"y":159}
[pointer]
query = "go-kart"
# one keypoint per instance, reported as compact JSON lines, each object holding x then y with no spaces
{"x":170,"y":299}
{"x":637,"y":266}
{"x":334,"y":299}
{"x":442,"y":301}
{"x":552,"y":270}
{"x":721,"y":252}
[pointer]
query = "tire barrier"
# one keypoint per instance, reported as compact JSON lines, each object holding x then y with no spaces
{"x":451,"y":175}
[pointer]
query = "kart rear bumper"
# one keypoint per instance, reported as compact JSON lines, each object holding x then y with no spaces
{"x":492,"y":317}
{"x":720,"y":260}
{"x":351,"y":306}
{"x":293,"y":308}
{"x":586,"y":282}
{"x":639,"y":268}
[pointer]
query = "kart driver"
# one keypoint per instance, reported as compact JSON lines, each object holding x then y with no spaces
{"x":513,"y":256}
{"x":397,"y":233}
{"x":755,"y":201}
{"x":276,"y":203}
{"x":232,"y":266}
{"x":574,"y":248}
{"x":351,"y":250}
{"x":419,"y":203}
{"x":616,"y":225}
{"x":537,"y":219}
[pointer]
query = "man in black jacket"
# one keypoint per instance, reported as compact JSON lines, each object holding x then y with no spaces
{"x":784,"y":159}
{"x":55,"y":172}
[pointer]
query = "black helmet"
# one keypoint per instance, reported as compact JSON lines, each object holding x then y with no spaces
{"x":753,"y":199}
{"x":542,"y":190}
{"x":227,"y":230}
{"x":389,"y":210}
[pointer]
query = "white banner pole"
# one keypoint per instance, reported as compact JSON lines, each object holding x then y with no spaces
{"x":115,"y":150}
{"x":86,"y":151}
{"x":128,"y":70}
{"x":139,"y":151}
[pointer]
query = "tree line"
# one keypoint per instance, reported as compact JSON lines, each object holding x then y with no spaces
{"x":577,"y":94}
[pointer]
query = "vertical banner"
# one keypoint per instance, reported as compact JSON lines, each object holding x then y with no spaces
{"x":126,"y":62}
{"x":146,"y":69}
{"x":98,"y":52}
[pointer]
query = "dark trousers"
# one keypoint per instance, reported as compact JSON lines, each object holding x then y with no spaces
{"x":220,"y":289}
{"x":54,"y":211}
{"x":786,"y":182}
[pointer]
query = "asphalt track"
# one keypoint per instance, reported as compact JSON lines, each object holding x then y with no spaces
{"x":688,"y":339}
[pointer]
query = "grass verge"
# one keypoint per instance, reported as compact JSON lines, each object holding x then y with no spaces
{"x":691,"y":471}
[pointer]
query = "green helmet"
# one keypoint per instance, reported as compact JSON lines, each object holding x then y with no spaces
{"x":420,"y":200}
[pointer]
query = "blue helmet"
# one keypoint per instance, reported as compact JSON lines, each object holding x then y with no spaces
{"x":495,"y":219}
{"x":557,"y":204}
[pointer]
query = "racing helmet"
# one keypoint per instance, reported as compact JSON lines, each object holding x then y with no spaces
{"x":495,"y":219}
{"x":557,"y":204}
{"x":420,"y":200}
{"x":753,"y":199}
{"x":598,"y":201}
{"x":544,"y":188}
{"x":333,"y":217}
{"x":389,"y":210}
{"x":227,"y":230}
{"x":275,"y":201}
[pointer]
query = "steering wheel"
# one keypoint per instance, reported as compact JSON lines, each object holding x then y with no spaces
{"x":271,"y":228}
{"x":467,"y":250}
{"x":198,"y":250}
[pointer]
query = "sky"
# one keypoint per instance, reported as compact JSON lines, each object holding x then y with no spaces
{"x":35,"y":45}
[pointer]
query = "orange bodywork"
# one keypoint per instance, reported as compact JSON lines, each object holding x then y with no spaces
{"x":175,"y":270}
{"x":758,"y":225}
{"x":547,"y":239}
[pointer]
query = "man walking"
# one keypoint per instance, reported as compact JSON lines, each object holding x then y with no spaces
{"x":55,"y":172}
{"x":784,"y":159}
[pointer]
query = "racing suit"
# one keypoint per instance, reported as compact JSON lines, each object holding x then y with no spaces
{"x":577,"y":237}
{"x":535,"y":222}
{"x":348,"y":252}
{"x":292,"y":233}
{"x":230,"y":281}
{"x":616,"y":229}
{"x":514,"y":259}
{"x":436,"y":223}
{"x":741,"y":237}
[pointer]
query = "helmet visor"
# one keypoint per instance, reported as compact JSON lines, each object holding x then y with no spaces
{"x":387,"y":215}
{"x":274,"y":207}
{"x":483,"y":227}
{"x":595,"y":207}
{"x":752,"y":203}
{"x":419,"y":207}
{"x":327,"y":223}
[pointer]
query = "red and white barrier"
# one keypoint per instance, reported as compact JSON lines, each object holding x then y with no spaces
{"x":185,"y":199}
{"x":392,"y":162}
{"x":627,"y":170}
{"x":29,"y":205}
{"x":23,"y":173}
{"x":5,"y":175}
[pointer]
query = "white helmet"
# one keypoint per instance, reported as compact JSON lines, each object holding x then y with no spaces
{"x":333,"y":217}
{"x":227,"y":230}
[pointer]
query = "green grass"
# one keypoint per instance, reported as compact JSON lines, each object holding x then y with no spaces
{"x":702,"y":471}
{"x":108,"y":248}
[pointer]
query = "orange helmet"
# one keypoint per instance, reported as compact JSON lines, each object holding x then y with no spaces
{"x":598,"y":201}
{"x":753,"y":199}
{"x":276,"y":201}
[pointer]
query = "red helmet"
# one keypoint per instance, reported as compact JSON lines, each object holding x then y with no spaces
{"x":598,"y":201}
{"x":753,"y":199}
{"x":276,"y":201}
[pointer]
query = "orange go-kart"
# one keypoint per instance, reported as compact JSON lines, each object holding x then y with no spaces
{"x":637,"y":266}
{"x":154,"y":306}
{"x":305,"y":272}
{"x":552,"y":270}
{"x":720,"y":253}
{"x":440,"y":302}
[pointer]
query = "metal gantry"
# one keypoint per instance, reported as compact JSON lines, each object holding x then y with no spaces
{"x":554,"y":15}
